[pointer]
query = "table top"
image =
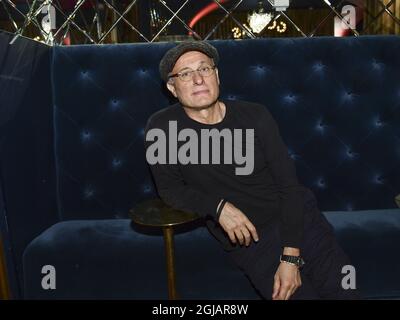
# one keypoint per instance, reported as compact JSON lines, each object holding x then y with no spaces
{"x":156,"y":213}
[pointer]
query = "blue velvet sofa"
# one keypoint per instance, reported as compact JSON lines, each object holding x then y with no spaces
{"x":72,"y":161}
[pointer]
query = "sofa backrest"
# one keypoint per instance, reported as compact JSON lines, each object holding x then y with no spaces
{"x":72,"y":119}
{"x":336,"y":101}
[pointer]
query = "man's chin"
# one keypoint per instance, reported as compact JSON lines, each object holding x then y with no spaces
{"x":201,"y":106}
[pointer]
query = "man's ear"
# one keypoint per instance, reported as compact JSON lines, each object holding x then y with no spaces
{"x":171,"y":88}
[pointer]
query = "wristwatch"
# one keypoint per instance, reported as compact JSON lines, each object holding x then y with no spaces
{"x":295,"y":260}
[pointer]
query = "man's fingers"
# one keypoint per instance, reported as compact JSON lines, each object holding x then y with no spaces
{"x":239,"y":228}
{"x":232,"y":236}
{"x":246,"y":235}
{"x":284,"y":290}
{"x":289,"y":281}
{"x":252,"y":230}
{"x":289,"y":293}
{"x":239,"y":236}
{"x":277,"y":285}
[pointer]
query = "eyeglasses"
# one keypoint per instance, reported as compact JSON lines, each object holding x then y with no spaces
{"x":205,"y":71}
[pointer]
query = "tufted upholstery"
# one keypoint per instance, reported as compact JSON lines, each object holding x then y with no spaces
{"x":128,"y":264}
{"x":337,"y":103}
{"x":339,"y":117}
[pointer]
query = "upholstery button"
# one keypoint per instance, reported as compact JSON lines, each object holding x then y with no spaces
{"x":378,"y":179}
{"x":116,"y":163}
{"x":378,"y":123}
{"x":376,"y":65}
{"x":290,"y":98}
{"x":348,"y":95}
{"x":292,"y":155}
{"x":88,"y":192}
{"x":114,"y":104}
{"x":318,"y":66}
{"x":350,"y":153}
{"x":321,"y":183}
{"x":320,"y":127}
{"x":260,"y":68}
{"x":86,"y":135}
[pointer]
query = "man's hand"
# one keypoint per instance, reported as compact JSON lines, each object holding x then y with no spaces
{"x":287,"y":278}
{"x":237,"y":225}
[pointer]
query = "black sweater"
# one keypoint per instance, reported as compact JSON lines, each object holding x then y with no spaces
{"x":270,"y":193}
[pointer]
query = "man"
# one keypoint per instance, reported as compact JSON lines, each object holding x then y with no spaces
{"x":266,"y":221}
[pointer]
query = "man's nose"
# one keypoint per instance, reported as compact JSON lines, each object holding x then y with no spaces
{"x":197,"y":78}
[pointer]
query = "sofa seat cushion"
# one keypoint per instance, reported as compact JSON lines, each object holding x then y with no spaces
{"x":371,"y":238}
{"x":108,"y":259}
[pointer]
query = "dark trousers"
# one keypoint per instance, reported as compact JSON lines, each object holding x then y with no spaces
{"x":322,"y":274}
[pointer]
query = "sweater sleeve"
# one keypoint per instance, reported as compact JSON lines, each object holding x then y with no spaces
{"x":283,"y":172}
{"x":173,"y":190}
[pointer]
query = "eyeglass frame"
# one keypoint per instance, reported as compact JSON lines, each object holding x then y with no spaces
{"x":176,"y":75}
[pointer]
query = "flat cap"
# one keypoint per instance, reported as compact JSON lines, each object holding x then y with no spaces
{"x":167,"y":63}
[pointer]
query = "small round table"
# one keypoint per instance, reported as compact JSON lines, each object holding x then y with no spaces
{"x":155,"y":213}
